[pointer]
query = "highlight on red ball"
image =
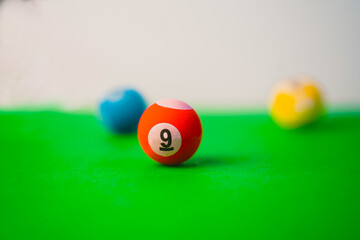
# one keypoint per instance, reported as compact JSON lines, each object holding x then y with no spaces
{"x":170,"y":131}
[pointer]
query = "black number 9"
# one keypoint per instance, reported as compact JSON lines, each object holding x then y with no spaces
{"x":166,"y":145}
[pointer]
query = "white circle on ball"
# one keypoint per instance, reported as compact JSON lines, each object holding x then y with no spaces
{"x":174,"y":104}
{"x":164,"y":139}
{"x":116,"y":96}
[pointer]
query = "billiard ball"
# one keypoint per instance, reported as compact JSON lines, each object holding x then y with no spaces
{"x":121,"y":110}
{"x":296,"y":101}
{"x":170,"y":131}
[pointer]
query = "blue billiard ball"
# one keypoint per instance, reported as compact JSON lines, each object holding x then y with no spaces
{"x":121,"y":110}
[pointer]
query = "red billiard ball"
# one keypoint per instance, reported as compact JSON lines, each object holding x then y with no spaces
{"x":170,"y":131}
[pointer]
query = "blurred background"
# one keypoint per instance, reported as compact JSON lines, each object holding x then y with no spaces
{"x":69,"y":53}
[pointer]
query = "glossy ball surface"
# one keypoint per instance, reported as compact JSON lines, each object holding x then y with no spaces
{"x":170,"y":131}
{"x":295,"y":102}
{"x":121,"y":110}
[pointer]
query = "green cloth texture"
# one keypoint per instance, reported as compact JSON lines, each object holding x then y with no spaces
{"x":64,"y":176}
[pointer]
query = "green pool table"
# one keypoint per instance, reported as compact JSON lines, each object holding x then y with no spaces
{"x":63,"y":176}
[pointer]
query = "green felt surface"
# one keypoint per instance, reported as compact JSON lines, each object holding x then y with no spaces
{"x":63,"y":176}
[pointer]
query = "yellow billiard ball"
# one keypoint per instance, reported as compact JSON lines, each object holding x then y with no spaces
{"x":295,"y":102}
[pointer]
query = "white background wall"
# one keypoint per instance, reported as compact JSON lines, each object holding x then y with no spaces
{"x":222,"y":52}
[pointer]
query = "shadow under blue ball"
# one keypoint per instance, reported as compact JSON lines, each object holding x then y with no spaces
{"x":121,"y":111}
